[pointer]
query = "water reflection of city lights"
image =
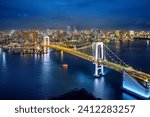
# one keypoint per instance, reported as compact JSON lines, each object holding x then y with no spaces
{"x":45,"y":68}
{"x":99,"y":80}
{"x":62,"y":56}
{"x":46,"y":58}
{"x":4,"y":59}
{"x":147,"y":42}
{"x":99,"y":84}
{"x":0,"y":50}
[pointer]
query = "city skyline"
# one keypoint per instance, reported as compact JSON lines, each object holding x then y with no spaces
{"x":104,"y":14}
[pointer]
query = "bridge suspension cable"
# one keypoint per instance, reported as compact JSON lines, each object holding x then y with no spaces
{"x":81,"y":45}
{"x":109,"y":55}
{"x":86,"y":50}
{"x":81,"y":48}
{"x":112,"y":57}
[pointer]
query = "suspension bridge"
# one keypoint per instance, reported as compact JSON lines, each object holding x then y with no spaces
{"x":98,"y":53}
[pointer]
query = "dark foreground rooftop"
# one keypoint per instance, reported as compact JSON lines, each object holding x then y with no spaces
{"x":75,"y":94}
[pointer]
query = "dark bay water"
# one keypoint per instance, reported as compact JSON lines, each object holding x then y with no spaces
{"x":42,"y":76}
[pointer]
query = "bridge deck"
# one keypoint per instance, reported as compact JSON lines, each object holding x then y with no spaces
{"x":132,"y":72}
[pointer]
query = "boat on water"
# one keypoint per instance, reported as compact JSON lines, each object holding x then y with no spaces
{"x":65,"y":66}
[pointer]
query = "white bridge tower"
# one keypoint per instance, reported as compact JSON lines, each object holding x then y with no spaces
{"x":99,"y":55}
{"x":46,"y":42}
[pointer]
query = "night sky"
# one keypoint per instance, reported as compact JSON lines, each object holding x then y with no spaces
{"x":103,"y":14}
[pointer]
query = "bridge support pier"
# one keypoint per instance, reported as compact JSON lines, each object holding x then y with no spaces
{"x":99,"y":54}
{"x":45,"y":49}
{"x":97,"y":68}
{"x":46,"y":42}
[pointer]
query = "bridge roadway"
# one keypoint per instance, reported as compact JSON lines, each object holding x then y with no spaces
{"x":117,"y":67}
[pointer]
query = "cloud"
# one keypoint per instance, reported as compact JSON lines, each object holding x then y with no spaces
{"x":108,"y":14}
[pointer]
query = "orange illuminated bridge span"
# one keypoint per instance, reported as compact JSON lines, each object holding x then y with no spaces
{"x":105,"y":62}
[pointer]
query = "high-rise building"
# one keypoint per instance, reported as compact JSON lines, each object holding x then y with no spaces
{"x":131,"y":32}
{"x":68,"y":28}
{"x":35,"y":35}
{"x":117,"y":33}
{"x":75,"y":30}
